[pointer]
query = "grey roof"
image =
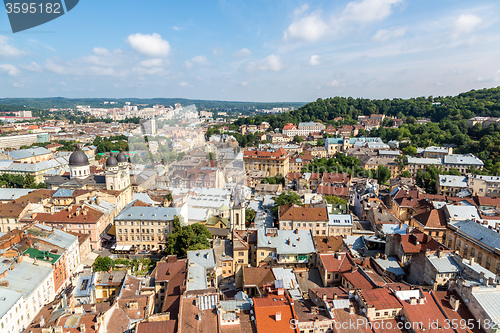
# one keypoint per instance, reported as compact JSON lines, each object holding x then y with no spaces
{"x":364,"y":139}
{"x":9,"y":298}
{"x":340,"y":219}
{"x":63,"y":193}
{"x":489,"y":302}
{"x":391,"y":265}
{"x":445,"y":264}
{"x":13,"y":193}
{"x":36,"y":167}
{"x":30,"y":152}
{"x":58,"y":237}
{"x":144,"y":197}
{"x":199,"y":261}
{"x":287,"y":241}
{"x":468,"y":159}
{"x":461,"y":213}
{"x":479,"y":233}
{"x":389,"y":152}
{"x":131,"y":213}
{"x":82,"y":288}
{"x":453,"y":181}
{"x":424,"y":160}
{"x":434,"y":149}
{"x":26,"y":277}
{"x":78,"y":158}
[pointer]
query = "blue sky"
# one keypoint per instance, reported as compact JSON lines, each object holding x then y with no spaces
{"x":256,"y":50}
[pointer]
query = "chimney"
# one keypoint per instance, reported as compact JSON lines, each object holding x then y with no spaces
{"x":324,"y":298}
{"x":277,"y":316}
{"x":413,"y":300}
{"x":471,"y":261}
{"x":421,"y":300}
{"x":82,"y":328}
{"x":335,"y":296}
{"x":454,"y":303}
{"x":351,"y":309}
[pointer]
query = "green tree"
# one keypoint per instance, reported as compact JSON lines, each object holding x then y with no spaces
{"x":406,"y":174}
{"x":409,"y":150}
{"x":102,"y":264}
{"x":288,"y":197}
{"x":334,"y":200}
{"x":298,"y":139}
{"x":188,"y":238}
{"x":382,"y":174}
{"x":29,"y":181}
{"x":249,"y":217}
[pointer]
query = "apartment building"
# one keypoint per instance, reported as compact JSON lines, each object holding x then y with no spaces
{"x":274,"y":162}
{"x":146,"y":228}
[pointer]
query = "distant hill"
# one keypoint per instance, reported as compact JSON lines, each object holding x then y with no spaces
{"x":10,"y":104}
{"x":485,"y":102}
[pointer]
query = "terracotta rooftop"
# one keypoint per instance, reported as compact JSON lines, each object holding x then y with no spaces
{"x":357,"y":279}
{"x":35,"y":196}
{"x":380,"y":298}
{"x":432,"y":219}
{"x":194,"y":320}
{"x":257,"y":276}
{"x":426,"y":313}
{"x":174,"y":273}
{"x":336,"y":262}
{"x":487,"y":201}
{"x":165,"y":326}
{"x":280,"y":153}
{"x":329,"y":244}
{"x":73,"y":214}
{"x":299,"y":213}
{"x":273,"y":314}
{"x":12,"y":210}
{"x":336,"y":178}
{"x":333,"y":190}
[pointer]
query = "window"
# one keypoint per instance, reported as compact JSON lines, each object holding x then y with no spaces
{"x":377,"y":314}
{"x":386,"y":313}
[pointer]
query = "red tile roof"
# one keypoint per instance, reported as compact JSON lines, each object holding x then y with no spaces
{"x":280,"y":153}
{"x":432,"y":219}
{"x":336,"y":262}
{"x":266,"y":310}
{"x":166,"y":326}
{"x":73,"y":214}
{"x":300,"y":213}
{"x":426,"y":314}
{"x":357,"y":279}
{"x":487,"y":201}
{"x":336,"y":178}
{"x":333,"y":190}
{"x":380,"y":298}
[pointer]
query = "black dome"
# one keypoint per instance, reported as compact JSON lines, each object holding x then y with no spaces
{"x":121,"y":157}
{"x":78,"y":158}
{"x":111,"y":161}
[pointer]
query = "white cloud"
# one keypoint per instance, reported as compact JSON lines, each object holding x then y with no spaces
{"x":271,"y":63}
{"x":466,"y":23}
{"x":51,"y":66}
{"x":185,"y":84}
{"x":366,"y":11}
{"x":155,"y":62}
{"x":176,"y":28}
{"x":199,"y":60}
{"x":8,"y":50}
{"x":11,"y":70}
{"x":32,"y":66}
{"x":243,"y":53}
{"x":335,"y":83}
{"x":244,"y":83}
{"x":309,"y":28}
{"x":314,"y":60}
{"x":384,"y":35}
{"x":18,"y":85}
{"x":151,"y":45}
{"x":100,"y":51}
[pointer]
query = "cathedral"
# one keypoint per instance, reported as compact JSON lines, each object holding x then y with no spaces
{"x":115,"y":178}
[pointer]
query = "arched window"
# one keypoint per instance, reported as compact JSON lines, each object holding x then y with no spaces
{"x":237,"y":217}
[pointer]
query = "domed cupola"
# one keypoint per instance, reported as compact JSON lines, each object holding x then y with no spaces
{"x":78,"y":158}
{"x":111,"y":161}
{"x":121,"y":157}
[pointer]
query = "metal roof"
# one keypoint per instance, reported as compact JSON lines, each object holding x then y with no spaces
{"x":132,"y":213}
{"x":391,"y":265}
{"x":287,"y":241}
{"x":453,"y":181}
{"x":30,"y":152}
{"x":26,"y":277}
{"x":489,"y":303}
{"x":9,"y":299}
{"x":468,"y":159}
{"x":479,"y":233}
{"x":445,"y":264}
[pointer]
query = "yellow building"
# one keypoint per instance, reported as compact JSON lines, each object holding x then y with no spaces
{"x":275,"y":162}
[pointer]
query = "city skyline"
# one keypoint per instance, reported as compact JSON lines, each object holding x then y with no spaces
{"x":259,"y":51}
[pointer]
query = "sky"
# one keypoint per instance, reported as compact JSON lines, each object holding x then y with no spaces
{"x":255,"y":50}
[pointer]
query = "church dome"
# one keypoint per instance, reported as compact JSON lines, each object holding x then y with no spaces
{"x":121,"y":157}
{"x":78,"y":158}
{"x":111,"y":161}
